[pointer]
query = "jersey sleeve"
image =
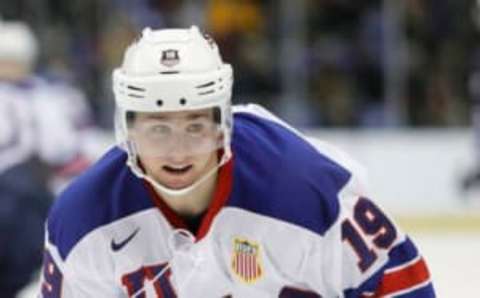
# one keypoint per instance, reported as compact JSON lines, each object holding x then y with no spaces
{"x":365,"y":254}
{"x":74,"y":277}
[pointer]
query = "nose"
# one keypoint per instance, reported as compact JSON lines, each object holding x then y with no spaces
{"x":178,"y":151}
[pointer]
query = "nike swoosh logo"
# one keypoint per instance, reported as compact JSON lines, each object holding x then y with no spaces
{"x":118,"y":246}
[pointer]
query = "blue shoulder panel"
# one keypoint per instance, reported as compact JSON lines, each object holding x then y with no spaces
{"x":104,"y":193}
{"x":278,"y":174}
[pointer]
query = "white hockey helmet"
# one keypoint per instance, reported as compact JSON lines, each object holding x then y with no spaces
{"x":172,"y":70}
{"x":18,"y":42}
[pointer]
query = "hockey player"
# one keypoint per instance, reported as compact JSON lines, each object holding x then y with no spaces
{"x":198,"y":200}
{"x":39,"y":141}
{"x":49,"y":116}
{"x":24,"y":196}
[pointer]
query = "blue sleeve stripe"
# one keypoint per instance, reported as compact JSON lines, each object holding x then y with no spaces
{"x":425,"y":291}
{"x":400,"y":254}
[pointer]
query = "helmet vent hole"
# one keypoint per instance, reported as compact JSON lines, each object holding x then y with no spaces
{"x":183,"y":101}
{"x":159,"y":102}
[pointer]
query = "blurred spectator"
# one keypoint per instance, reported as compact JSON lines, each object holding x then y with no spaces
{"x":437,"y":34}
{"x":346,"y":39}
{"x":240,"y":29}
{"x":470,"y":182}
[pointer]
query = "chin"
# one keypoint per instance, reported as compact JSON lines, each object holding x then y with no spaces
{"x":177,"y":185}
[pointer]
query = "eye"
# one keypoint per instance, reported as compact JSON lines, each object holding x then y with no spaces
{"x":196,"y":128}
{"x":158,"y":130}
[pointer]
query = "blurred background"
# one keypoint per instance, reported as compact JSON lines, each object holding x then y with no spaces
{"x":396,"y":84}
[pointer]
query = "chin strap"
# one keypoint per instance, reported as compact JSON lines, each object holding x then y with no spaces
{"x":133,"y":164}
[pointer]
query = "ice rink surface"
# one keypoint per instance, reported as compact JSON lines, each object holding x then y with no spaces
{"x":453,"y":258}
{"x":454,"y":261}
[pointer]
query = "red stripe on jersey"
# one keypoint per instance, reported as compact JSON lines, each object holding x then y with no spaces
{"x":243,"y":261}
{"x":250,"y":267}
{"x":173,"y":218}
{"x":222,"y":193}
{"x":74,"y":166}
{"x":404,"y":278}
{"x":151,"y":275}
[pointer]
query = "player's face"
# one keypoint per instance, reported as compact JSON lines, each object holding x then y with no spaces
{"x":176,"y":148}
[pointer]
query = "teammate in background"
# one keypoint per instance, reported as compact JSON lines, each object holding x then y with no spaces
{"x":24,"y":196}
{"x":40,"y":143}
{"x":53,"y":115}
{"x":25,"y":200}
{"x":198,"y":200}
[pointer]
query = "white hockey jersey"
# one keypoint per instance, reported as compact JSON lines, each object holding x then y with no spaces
{"x":42,"y":118}
{"x":47,"y":119}
{"x":17,"y":137}
{"x":289,"y":218}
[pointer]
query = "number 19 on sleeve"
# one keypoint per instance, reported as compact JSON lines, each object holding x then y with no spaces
{"x":374,"y":225}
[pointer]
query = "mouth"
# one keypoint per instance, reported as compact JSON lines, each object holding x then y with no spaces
{"x":177,"y":170}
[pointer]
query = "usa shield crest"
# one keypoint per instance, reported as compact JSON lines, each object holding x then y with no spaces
{"x":170,"y":58}
{"x":246,"y":262}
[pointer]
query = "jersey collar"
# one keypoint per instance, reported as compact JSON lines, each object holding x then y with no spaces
{"x":221,"y":194}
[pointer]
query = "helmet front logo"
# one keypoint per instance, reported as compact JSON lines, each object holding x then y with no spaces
{"x":170,"y":58}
